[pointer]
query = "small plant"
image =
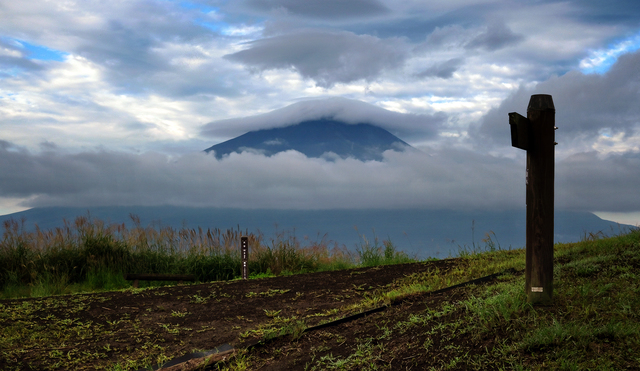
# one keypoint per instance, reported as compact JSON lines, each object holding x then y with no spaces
{"x":179,"y":314}
{"x":272,"y":313}
{"x":197,"y":299}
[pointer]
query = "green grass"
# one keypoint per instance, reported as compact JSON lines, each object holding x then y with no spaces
{"x":593,"y":323}
{"x":89,"y":255}
{"x":372,"y":255}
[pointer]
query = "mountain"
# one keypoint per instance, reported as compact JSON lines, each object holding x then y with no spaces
{"x":435,"y":233}
{"x":315,"y":138}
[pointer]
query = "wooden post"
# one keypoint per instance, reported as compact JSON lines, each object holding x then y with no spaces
{"x":244,"y":249}
{"x":540,"y":142}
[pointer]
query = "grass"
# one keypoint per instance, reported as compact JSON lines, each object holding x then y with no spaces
{"x":593,"y":322}
{"x":89,"y":255}
{"x":375,"y":254}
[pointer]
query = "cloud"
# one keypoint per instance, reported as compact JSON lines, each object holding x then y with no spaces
{"x":443,"y":70}
{"x":13,"y":57}
{"x":250,"y":180}
{"x":417,"y":126}
{"x":276,"y":142}
{"x":450,"y":35}
{"x":496,"y":36}
{"x":328,"y":57}
{"x":609,"y":183}
{"x":326,"y":9}
{"x":139,"y":46}
{"x":143,"y":76}
{"x":10,"y":65}
{"x":588,"y":107}
{"x":440,"y":179}
{"x":615,"y":13}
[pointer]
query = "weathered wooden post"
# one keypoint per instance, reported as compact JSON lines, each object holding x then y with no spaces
{"x":244,"y":249}
{"x":536,"y":135}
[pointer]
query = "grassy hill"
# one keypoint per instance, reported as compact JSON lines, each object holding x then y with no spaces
{"x":594,"y":322}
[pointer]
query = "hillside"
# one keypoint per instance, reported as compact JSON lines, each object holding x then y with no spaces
{"x":316,"y":138}
{"x":268,"y":324}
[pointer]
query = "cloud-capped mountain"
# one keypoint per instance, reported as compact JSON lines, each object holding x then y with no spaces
{"x":315,"y":138}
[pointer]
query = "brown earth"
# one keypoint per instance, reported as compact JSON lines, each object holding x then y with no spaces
{"x":178,"y":320}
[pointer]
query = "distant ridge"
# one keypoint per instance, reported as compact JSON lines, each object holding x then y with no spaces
{"x":316,"y":138}
{"x":435,"y":233}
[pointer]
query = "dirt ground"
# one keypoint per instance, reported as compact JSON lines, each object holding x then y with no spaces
{"x":177,"y":320}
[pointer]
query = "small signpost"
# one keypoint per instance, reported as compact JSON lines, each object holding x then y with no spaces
{"x":536,"y":135}
{"x":244,"y":250}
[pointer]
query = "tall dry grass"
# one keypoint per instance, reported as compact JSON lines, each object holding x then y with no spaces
{"x":95,"y":254}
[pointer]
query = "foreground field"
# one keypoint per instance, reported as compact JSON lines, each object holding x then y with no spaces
{"x":593,"y":323}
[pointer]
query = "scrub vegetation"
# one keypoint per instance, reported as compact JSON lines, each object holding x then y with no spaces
{"x":90,"y":255}
{"x":593,"y":322}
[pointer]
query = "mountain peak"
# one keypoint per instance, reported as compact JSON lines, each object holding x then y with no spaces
{"x":315,"y":138}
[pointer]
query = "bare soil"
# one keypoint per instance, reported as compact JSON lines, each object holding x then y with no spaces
{"x":178,"y":320}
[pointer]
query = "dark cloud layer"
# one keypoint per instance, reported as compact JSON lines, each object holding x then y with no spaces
{"x":442,"y":179}
{"x":248,"y":180}
{"x":327,"y":9}
{"x":612,"y":12}
{"x":608,"y":183}
{"x":325,"y":56}
{"x":442,"y":70}
{"x":11,"y":64}
{"x":496,"y":36}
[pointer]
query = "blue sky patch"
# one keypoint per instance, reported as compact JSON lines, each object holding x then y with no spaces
{"x":43,"y":53}
{"x":33,"y":51}
{"x":600,"y":61}
{"x":217,"y":27}
{"x":206,"y":10}
{"x":200,"y":7}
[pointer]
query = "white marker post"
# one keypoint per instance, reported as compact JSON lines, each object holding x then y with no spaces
{"x":244,"y":249}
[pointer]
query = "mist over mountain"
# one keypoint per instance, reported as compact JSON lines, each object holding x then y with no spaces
{"x":316,"y":138}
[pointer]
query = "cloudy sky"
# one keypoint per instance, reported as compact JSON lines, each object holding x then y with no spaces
{"x":112,"y":103}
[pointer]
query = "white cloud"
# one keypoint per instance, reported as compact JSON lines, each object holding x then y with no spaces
{"x":632,"y":218}
{"x":341,"y":109}
{"x":71,"y":104}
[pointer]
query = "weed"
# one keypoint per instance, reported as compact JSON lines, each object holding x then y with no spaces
{"x":371,"y":255}
{"x":179,"y":314}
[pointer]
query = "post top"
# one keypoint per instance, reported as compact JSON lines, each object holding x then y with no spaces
{"x":541,"y":102}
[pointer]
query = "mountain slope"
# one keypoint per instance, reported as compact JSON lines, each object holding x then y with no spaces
{"x":315,"y":138}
